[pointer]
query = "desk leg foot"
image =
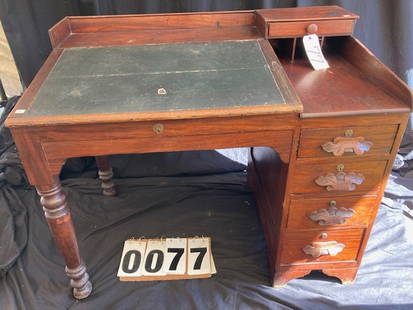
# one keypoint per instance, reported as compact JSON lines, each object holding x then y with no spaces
{"x":346,"y":275}
{"x":281,"y":278}
{"x":105,"y":174}
{"x":79,"y":280}
{"x":60,"y":223}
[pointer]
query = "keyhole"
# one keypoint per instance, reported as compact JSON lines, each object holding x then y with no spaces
{"x":157,"y":128}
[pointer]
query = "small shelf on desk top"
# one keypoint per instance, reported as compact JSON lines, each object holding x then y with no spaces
{"x":158,"y":78}
{"x":356,"y":82}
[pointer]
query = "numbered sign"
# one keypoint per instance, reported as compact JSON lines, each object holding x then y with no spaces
{"x":176,"y":253}
{"x":166,"y":259}
{"x":132,"y":258}
{"x":199,"y":256}
{"x":154,"y":264}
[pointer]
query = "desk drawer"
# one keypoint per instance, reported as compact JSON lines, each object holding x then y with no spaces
{"x":330,"y":212}
{"x":350,"y":141}
{"x":344,"y":176}
{"x":321,"y":246}
{"x":301,"y":28}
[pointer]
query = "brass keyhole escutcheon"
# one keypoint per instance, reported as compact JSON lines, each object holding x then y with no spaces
{"x":333,"y":203}
{"x":323,"y":236}
{"x":348,"y":133}
{"x":157,"y":128}
{"x":340,"y":167}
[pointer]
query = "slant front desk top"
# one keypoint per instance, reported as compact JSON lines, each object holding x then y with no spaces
{"x":321,"y":143}
{"x":161,"y":77}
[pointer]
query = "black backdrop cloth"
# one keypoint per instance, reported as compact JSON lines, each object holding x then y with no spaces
{"x":182,"y":194}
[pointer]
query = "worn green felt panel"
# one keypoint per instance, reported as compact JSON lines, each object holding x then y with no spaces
{"x":129,"y":78}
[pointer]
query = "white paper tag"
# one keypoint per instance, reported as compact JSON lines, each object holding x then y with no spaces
{"x":133,"y":253}
{"x":314,"y":53}
{"x":199,"y":256}
{"x":155,"y":258}
{"x":176,"y":255}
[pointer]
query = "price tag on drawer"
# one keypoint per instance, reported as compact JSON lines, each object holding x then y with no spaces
{"x":314,"y":53}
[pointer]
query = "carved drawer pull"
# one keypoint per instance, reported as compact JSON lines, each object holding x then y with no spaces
{"x":341,"y":181}
{"x":317,"y":249}
{"x":341,"y":145}
{"x":332,"y":215}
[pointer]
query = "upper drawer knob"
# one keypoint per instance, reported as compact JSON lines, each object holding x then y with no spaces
{"x":312,"y":28}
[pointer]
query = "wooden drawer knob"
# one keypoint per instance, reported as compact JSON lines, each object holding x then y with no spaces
{"x":317,"y":249}
{"x":341,"y":181}
{"x":331,"y":215}
{"x":312,"y":28}
{"x":341,"y":145}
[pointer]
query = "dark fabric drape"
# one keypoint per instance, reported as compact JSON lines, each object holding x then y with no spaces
{"x":26,"y":23}
{"x":165,"y":6}
{"x":384,"y":26}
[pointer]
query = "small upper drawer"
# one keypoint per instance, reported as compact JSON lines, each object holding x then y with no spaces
{"x":321,"y":246}
{"x":318,"y":27}
{"x":350,"y":141}
{"x":341,"y":176}
{"x":330,"y":212}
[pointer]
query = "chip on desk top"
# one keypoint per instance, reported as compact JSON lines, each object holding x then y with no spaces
{"x":161,"y":77}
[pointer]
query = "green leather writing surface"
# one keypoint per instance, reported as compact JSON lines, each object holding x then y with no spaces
{"x":163,"y":77}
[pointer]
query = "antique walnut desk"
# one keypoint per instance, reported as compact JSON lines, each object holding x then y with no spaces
{"x":322,"y":142}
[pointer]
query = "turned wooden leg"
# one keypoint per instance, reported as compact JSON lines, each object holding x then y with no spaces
{"x":105,"y":174}
{"x":60,"y":223}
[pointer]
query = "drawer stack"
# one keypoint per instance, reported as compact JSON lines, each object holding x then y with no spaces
{"x":335,"y":190}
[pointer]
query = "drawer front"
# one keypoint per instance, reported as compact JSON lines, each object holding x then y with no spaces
{"x":338,"y":177}
{"x":301,"y":28}
{"x":321,"y":246}
{"x":330,"y":212}
{"x":350,"y":141}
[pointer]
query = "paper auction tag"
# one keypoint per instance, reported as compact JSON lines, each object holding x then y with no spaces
{"x":314,"y":53}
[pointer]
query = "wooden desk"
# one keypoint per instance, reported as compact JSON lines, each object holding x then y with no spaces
{"x":323,"y":142}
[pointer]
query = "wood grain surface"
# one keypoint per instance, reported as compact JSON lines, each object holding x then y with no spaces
{"x":300,"y":209}
{"x":307,"y":171}
{"x":382,"y":138}
{"x":300,"y":28}
{"x":294,"y":242}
